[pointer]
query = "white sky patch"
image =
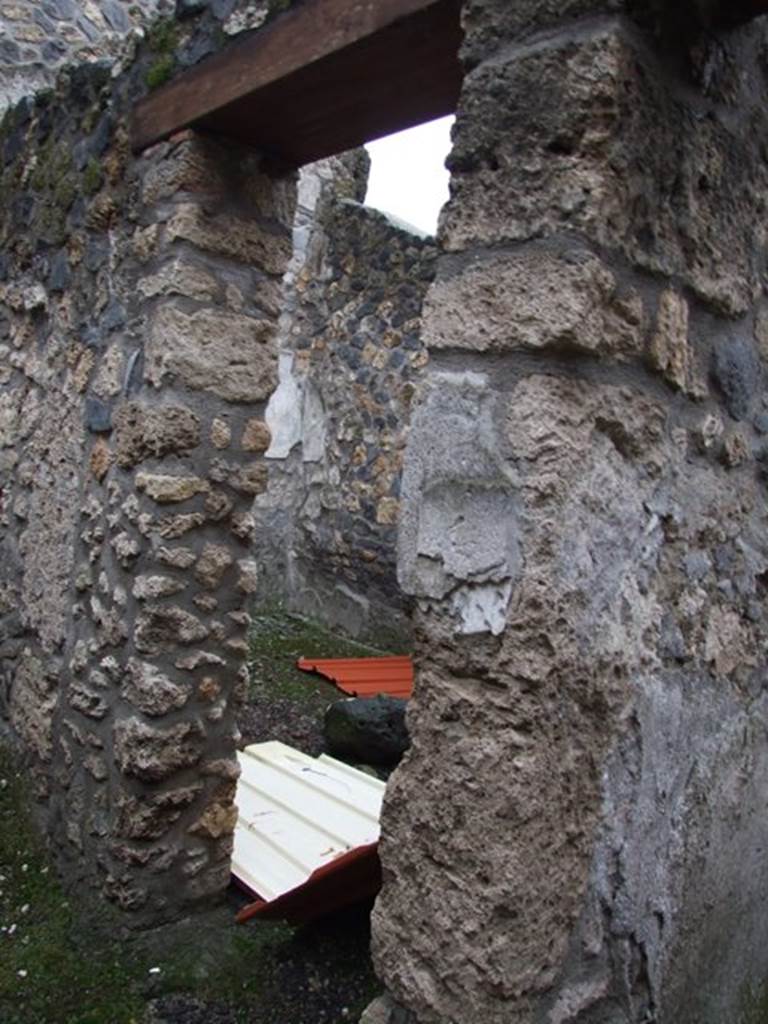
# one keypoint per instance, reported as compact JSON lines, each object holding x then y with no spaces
{"x":408,"y":175}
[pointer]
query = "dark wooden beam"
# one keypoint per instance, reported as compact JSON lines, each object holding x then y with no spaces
{"x":324,"y":77}
{"x":730,"y":13}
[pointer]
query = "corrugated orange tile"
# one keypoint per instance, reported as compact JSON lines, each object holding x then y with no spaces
{"x":365,"y":677}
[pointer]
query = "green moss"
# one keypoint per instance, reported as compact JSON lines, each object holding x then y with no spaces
{"x":755,"y":1005}
{"x":65,"y":192}
{"x":278,"y":639}
{"x":163,"y":36}
{"x":92,"y":177}
{"x":90,"y":119}
{"x":160,"y":72}
{"x":53,"y":167}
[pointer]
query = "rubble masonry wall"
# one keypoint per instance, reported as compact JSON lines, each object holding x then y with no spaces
{"x":139,"y":300}
{"x":351,"y":356}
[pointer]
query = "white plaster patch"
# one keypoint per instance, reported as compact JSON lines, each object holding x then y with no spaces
{"x":283,"y":415}
{"x":313,"y":427}
{"x":482,"y":608}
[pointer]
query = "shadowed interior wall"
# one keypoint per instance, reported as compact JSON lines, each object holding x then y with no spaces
{"x":351,"y":356}
{"x":577,"y":831}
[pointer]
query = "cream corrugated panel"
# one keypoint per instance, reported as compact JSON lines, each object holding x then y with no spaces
{"x":297,"y":813}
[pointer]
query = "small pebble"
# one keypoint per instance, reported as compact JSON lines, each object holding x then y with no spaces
{"x":25,"y":867}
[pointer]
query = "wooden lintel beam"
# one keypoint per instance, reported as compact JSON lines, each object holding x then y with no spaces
{"x":325,"y":76}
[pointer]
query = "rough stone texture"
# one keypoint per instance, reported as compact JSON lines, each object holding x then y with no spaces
{"x":685,"y":203}
{"x":123,"y":540}
{"x":36,"y":39}
{"x":351,"y":359}
{"x":367,"y":729}
{"x":576,"y":831}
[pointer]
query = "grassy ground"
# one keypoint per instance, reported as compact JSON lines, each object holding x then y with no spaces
{"x":65,"y":961}
{"x":285,"y":703}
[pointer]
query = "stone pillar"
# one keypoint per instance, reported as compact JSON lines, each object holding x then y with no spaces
{"x":575,"y":834}
{"x":144,"y":738}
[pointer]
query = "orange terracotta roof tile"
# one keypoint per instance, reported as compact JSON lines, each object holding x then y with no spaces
{"x":365,"y":677}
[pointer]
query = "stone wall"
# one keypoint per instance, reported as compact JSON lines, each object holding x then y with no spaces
{"x":139,"y":301}
{"x":38,"y":38}
{"x":351,"y":357}
{"x":578,"y":831}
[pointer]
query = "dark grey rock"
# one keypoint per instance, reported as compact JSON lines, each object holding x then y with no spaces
{"x":736,"y":373}
{"x":53,"y":51}
{"x":115,"y":16}
{"x":188,"y":8}
{"x":92,"y":337}
{"x":59,"y":275}
{"x":9,"y":51}
{"x":370,"y":730}
{"x":114,"y":316}
{"x":98,"y":416}
{"x":11,"y":626}
{"x":96,"y":254}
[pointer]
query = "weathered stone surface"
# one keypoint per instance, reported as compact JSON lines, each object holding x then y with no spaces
{"x":557,"y":138}
{"x":173,"y":527}
{"x":572,"y":455}
{"x":218,"y":506}
{"x":108,"y":379}
{"x":193,"y":661}
{"x":178,"y":558}
{"x":248,"y":579}
{"x":671,"y":350}
{"x":87,"y":701}
{"x":169,"y":489}
{"x":153,"y":816}
{"x":253,"y":243}
{"x":369,"y":730}
{"x":256,"y":436}
{"x":226,"y":354}
{"x":221,"y":433}
{"x":145,"y":432}
{"x":250,"y":479}
{"x":126,"y":548}
{"x":180,"y":277}
{"x":491,"y":24}
{"x":33,"y":702}
{"x":737,"y":374}
{"x":212,"y":565}
{"x":538,"y":299}
{"x":151,"y":753}
{"x":218,"y":820}
{"x":151,"y":691}
{"x":158,"y":626}
{"x":150,"y":588}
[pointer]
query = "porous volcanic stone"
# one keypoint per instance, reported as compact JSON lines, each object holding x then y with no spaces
{"x":371,"y":730}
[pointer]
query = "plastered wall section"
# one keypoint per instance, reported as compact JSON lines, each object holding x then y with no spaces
{"x":351,"y":356}
{"x":139,"y":300}
{"x":577,"y":832}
